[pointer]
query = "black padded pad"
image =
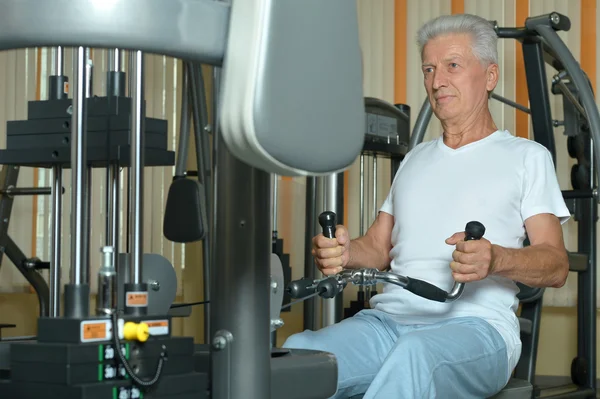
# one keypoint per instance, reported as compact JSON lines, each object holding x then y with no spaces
{"x":185,"y":212}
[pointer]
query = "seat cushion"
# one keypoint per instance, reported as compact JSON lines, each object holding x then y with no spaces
{"x":515,"y":389}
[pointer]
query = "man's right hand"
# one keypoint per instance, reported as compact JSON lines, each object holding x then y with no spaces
{"x":332,"y":254}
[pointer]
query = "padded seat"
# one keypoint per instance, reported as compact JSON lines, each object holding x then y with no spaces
{"x":515,"y":389}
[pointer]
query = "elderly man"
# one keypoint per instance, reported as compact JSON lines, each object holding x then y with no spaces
{"x":406,"y":346}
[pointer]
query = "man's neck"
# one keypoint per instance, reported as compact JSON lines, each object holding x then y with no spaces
{"x":464,"y":132}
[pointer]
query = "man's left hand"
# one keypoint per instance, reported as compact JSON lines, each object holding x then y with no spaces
{"x":472,"y":260}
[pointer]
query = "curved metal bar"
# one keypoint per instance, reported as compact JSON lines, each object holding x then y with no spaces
{"x":580,"y":82}
{"x":455,"y":292}
{"x":376,"y":102}
{"x":421,"y":124}
{"x":187,"y":29}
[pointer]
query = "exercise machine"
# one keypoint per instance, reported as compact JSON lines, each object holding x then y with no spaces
{"x":262,"y":128}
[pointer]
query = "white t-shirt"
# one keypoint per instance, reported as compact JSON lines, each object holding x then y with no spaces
{"x":500,"y":181}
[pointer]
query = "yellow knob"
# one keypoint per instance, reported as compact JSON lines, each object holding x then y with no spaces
{"x":136,"y":331}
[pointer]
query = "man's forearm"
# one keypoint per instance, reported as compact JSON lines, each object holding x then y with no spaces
{"x":365,"y":252}
{"x":536,"y":266}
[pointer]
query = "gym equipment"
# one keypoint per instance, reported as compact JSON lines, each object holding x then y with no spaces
{"x":541,"y":46}
{"x":261,"y":128}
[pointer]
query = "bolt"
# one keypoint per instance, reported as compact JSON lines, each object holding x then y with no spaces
{"x":274,"y":286}
{"x":70,"y":110}
{"x":277,"y":323}
{"x":555,"y":18}
{"x":155,"y":285}
{"x":5,"y":220}
{"x":219,"y":343}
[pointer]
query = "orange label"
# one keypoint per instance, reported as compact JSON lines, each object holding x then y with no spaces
{"x":66,"y":88}
{"x":94,"y":331}
{"x":137,"y":299}
{"x":163,"y":323}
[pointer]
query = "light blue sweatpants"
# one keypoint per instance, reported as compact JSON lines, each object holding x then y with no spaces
{"x":461,"y":358}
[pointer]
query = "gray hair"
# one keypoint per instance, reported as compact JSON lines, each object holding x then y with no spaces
{"x":485,"y":39}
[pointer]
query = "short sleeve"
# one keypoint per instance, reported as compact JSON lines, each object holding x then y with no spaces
{"x":541,"y":191}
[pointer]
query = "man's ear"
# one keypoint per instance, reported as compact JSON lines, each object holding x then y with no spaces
{"x":493,"y":74}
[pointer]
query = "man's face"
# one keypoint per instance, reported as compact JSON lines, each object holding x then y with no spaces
{"x":457,"y":83}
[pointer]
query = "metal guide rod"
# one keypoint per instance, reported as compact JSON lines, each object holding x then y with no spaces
{"x":14,"y":191}
{"x":362,"y":197}
{"x":332,"y":313}
{"x":184,"y":123}
{"x":54,"y":280}
{"x":274,"y":182}
{"x":309,"y":264}
{"x":113,"y":206}
{"x":78,"y":168}
{"x":114,"y":60}
{"x":374,"y":187}
{"x":200,"y":117}
{"x":59,"y":61}
{"x":137,"y":165}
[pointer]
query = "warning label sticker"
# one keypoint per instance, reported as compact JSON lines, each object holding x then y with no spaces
{"x":95,"y":330}
{"x":136,"y":299}
{"x":158,"y":327}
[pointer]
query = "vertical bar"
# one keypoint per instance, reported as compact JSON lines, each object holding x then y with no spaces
{"x":77,"y":292}
{"x":114,"y":206}
{"x":275,"y":180}
{"x":201,"y":129}
{"x":55,"y":264}
{"x":319,"y":208}
{"x":59,"y":61}
{"x":137,"y":169}
{"x":361,"y":198}
{"x":87,"y":224}
{"x":374,"y":187}
{"x":309,"y":264}
{"x":78,"y":166}
{"x":331,"y":310}
{"x":89,"y":74}
{"x":241,"y":318}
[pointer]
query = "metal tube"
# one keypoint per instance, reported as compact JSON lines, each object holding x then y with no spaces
{"x":418,"y":132}
{"x":331,"y":312}
{"x":78,"y":168}
{"x":567,"y":93}
{"x":374,"y":187}
{"x":87,"y":231}
{"x":362,"y":196}
{"x":54,"y":280}
{"x":15,"y":191}
{"x":89,"y":74}
{"x":274,"y":201}
{"x":112,"y":210}
{"x":203,"y":165}
{"x":184,"y":123}
{"x":59,"y":61}
{"x":240,"y":327}
{"x":511,"y":103}
{"x":309,"y":265}
{"x":116,"y":56}
{"x":137,"y":169}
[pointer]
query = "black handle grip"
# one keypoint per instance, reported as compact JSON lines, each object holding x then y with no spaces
{"x":300,"y":288}
{"x":328,"y":221}
{"x":474,"y":231}
{"x":329,"y":288}
{"x":426,"y":290}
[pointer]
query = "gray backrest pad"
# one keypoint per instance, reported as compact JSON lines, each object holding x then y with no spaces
{"x":310,"y":111}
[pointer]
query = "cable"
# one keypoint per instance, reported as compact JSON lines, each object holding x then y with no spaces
{"x":183,"y":305}
{"x":125,"y":363}
{"x":299,"y":300}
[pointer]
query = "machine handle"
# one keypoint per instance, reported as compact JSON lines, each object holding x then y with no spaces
{"x":474,"y":231}
{"x":301,"y":288}
{"x":426,"y":290}
{"x":328,"y":222}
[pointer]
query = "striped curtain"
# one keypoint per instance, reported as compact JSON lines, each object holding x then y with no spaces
{"x":25,"y":78}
